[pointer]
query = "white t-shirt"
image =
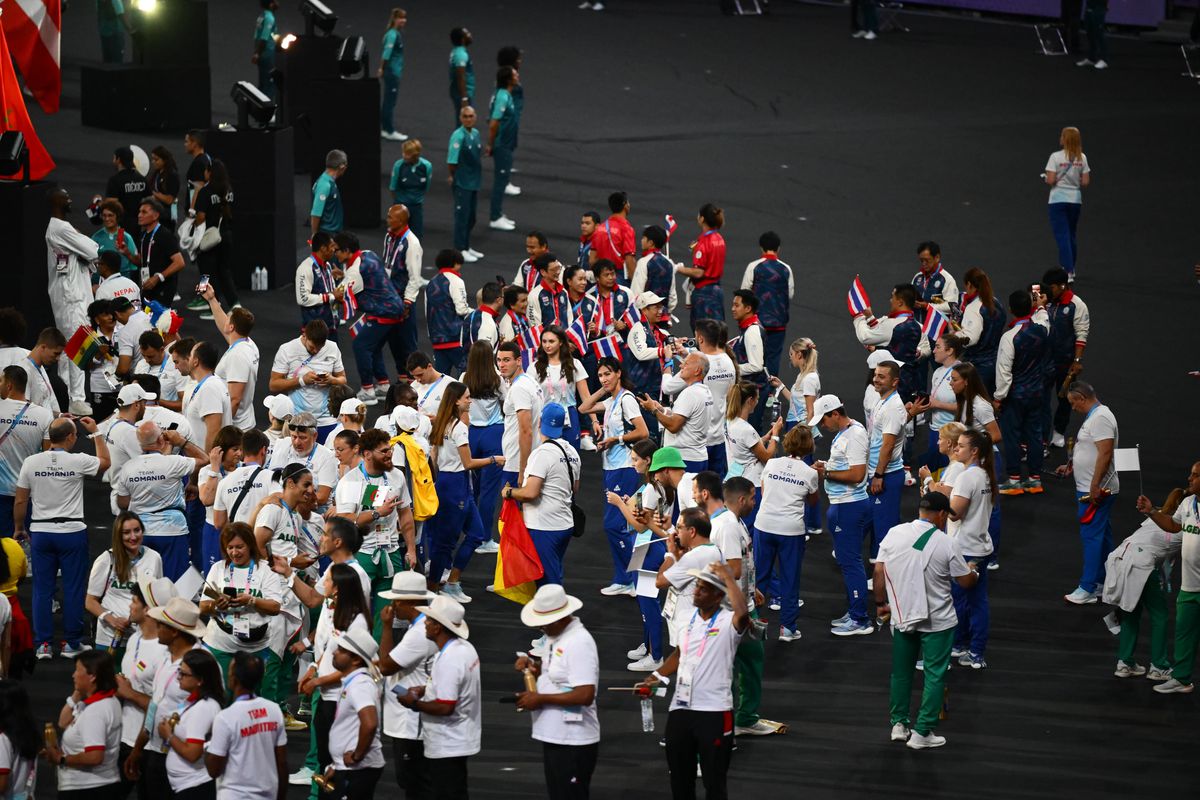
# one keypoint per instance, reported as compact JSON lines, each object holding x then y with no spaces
{"x":38,"y":388}
{"x":1188,"y":516}
{"x":194,"y":726}
{"x":698,"y":557}
{"x":285,"y":525}
{"x":55,"y":481}
{"x":732,"y":538}
{"x":786,"y":485}
{"x":453,"y":678}
{"x":240,"y":365}
{"x":323,"y":463}
{"x":247,"y":733}
{"x":139,"y":664}
{"x":888,"y":417}
{"x":707,"y":648}
{"x":153,"y":483}
{"x":325,"y":643}
{"x":523,"y":394}
{"x":115,"y":595}
{"x":849,"y":448}
{"x":952,"y":471}
{"x":447,"y":456}
{"x":170,"y":382}
{"x":257,"y":579}
{"x":571,"y":661}
{"x":414,"y":653}
{"x":720,"y":377}
{"x":941,"y":392}
{"x":357,"y":491}
{"x":209,"y":396}
{"x":292,"y":358}
{"x":972,"y":530}
{"x":618,"y":412}
{"x":429,"y":395}
{"x":945,"y":563}
{"x":127,"y":336}
{"x":551,"y":510}
{"x":982,"y":414}
{"x":165,"y":418}
{"x":556,"y":388}
{"x":117,"y":285}
{"x":229,"y":487}
{"x":696,"y":403}
{"x":358,"y":691}
{"x":17,"y":769}
{"x":740,"y":439}
{"x":25,"y":434}
{"x":807,"y":386}
{"x":97,"y":724}
{"x":166,"y":698}
{"x":1067,"y":187}
{"x":1098,"y":425}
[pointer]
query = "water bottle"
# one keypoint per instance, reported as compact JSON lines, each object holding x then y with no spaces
{"x":254,"y":279}
{"x":647,"y":715}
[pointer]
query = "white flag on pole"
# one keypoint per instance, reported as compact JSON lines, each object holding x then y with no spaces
{"x":1125,"y":459}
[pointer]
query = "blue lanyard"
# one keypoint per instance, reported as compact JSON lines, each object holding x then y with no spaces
{"x":1089,"y":414}
{"x":227,"y":349}
{"x":362,"y":467}
{"x":429,"y":391}
{"x":41,"y":374}
{"x":720,"y":511}
{"x":196,"y":391}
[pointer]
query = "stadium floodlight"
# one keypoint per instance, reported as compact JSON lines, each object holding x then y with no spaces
{"x":317,"y":16}
{"x":252,"y":103}
{"x":352,"y":58}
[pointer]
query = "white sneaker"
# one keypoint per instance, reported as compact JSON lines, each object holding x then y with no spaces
{"x":1173,"y":687}
{"x":631,"y":590}
{"x":639,"y":652}
{"x":786,"y":635}
{"x":454,"y":591}
{"x":900,"y":732}
{"x":503,"y":223}
{"x":1101,"y":64}
{"x":474,"y":252}
{"x":1124,"y":670}
{"x":367,"y":397}
{"x":512,"y":190}
{"x":585,"y":5}
{"x":1156,"y":674}
{"x":70,"y":652}
{"x":858,"y":34}
{"x":931,"y":739}
{"x":80,"y":408}
{"x":469,"y":257}
{"x":1058,"y":440}
{"x":587,"y":445}
{"x":1083,"y":62}
{"x":647,"y":663}
{"x":760,"y":728}
{"x":1081,"y":597}
{"x":382,"y":389}
{"x":870,"y":36}
{"x":301,"y":777}
{"x":613,"y":589}
{"x":488,"y":547}
{"x":597,"y":6}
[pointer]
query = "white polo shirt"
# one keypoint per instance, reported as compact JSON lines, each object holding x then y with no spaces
{"x":247,"y":733}
{"x":429,"y":395}
{"x":1098,"y":425}
{"x":684,"y":584}
{"x":153,"y":482}
{"x":358,"y":691}
{"x":572,"y":660}
{"x":117,"y":285}
{"x":448,"y":458}
{"x":357,"y":492}
{"x":15,"y":767}
{"x":195,"y":724}
{"x":116,"y":595}
{"x":292,"y":359}
{"x":523,"y":394}
{"x":24,"y":426}
{"x":319,"y":460}
{"x":454,"y":679}
{"x":707,"y":647}
{"x":414,"y":654}
{"x":889,"y":416}
{"x":786,"y":484}
{"x":720,"y":377}
{"x":239,"y":364}
{"x":96,"y":726}
{"x":58,"y":478}
{"x":256,"y":579}
{"x":139,"y":664}
{"x":209,"y":396}
{"x":972,"y":530}
{"x":1188,"y":516}
{"x":696,"y":403}
{"x":551,"y":509}
{"x":229,"y":487}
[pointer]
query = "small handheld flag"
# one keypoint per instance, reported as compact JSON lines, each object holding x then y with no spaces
{"x":935,"y":324}
{"x":857,"y":300}
{"x":608,"y":347}
{"x":83,"y":346}
{"x":349,"y":306}
{"x":631,"y":317}
{"x":671,"y":225}
{"x":528,"y":356}
{"x":358,"y":326}
{"x":577,"y":333}
{"x":531,"y":337}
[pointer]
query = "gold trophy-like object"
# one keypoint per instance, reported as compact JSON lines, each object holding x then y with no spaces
{"x":173,"y":720}
{"x":530,"y":680}
{"x":50,"y":735}
{"x":325,"y":782}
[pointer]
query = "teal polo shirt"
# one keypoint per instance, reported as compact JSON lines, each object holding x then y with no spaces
{"x":466,"y":150}
{"x":459,"y":57}
{"x":327,"y":204}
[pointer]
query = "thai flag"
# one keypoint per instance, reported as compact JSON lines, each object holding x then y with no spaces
{"x":531,"y":337}
{"x":357,"y":327}
{"x":608,"y":347}
{"x":577,"y":333}
{"x":935,"y":324}
{"x":528,"y":356}
{"x":856,"y":299}
{"x":631,"y":317}
{"x":671,"y":225}
{"x":348,"y":306}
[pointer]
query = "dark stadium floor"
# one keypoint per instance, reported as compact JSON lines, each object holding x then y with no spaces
{"x":854,"y":152}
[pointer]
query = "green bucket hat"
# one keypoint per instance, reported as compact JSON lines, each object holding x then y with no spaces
{"x":666,"y":458}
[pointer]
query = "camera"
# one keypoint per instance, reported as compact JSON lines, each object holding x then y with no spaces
{"x":689,"y":343}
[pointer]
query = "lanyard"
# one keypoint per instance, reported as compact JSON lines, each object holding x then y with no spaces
{"x":149,"y":246}
{"x":41,"y":374}
{"x":293,"y":516}
{"x":196,"y":390}
{"x":227,"y":349}
{"x":684,"y":655}
{"x":428,"y":392}
{"x":1089,"y":414}
{"x":362,"y":467}
{"x":249,"y":573}
{"x":16,"y":421}
{"x":615,"y":405}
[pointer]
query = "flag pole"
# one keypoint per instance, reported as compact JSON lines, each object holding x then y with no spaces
{"x":1138,"y":447}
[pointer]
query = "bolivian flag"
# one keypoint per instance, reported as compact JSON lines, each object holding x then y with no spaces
{"x":517,"y":563}
{"x":83,"y":346}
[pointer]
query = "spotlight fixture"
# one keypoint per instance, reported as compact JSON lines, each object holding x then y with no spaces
{"x":14,"y":155}
{"x":317,"y":16}
{"x":252,"y":103}
{"x":352,"y":58}
{"x":146,"y":6}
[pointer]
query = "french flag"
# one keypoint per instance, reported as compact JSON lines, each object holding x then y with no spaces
{"x":671,"y":225}
{"x":531,"y":337}
{"x":935,"y":324}
{"x":349,"y":306}
{"x":856,"y":299}
{"x":608,"y":347}
{"x":577,"y":333}
{"x":358,"y":326}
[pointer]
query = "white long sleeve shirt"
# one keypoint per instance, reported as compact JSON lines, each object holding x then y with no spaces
{"x":643,"y":348}
{"x":972,"y":322}
{"x":880,"y":334}
{"x":69,"y":265}
{"x":748,"y":276}
{"x":753,"y":342}
{"x":637,"y":283}
{"x":306,"y":294}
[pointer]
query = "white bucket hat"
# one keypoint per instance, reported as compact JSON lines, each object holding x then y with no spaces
{"x":180,"y":614}
{"x":550,"y":604}
{"x":407,"y":585}
{"x":449,"y":613}
{"x":156,"y":591}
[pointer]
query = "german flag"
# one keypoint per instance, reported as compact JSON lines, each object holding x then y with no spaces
{"x":517,"y":563}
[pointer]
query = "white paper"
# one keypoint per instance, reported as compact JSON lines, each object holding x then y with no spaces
{"x":1125,"y":459}
{"x":645,"y":583}
{"x":639,"y":554}
{"x":189,"y":584}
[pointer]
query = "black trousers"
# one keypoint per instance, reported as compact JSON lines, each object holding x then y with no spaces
{"x":107,"y":792}
{"x":569,"y":769}
{"x":218,"y":265}
{"x":1072,"y":10}
{"x":706,"y":736}
{"x":205,"y":791}
{"x":322,"y":722}
{"x":412,"y":770}
{"x":154,"y":780}
{"x":449,"y":776}
{"x":354,"y":784}
{"x":124,"y":786}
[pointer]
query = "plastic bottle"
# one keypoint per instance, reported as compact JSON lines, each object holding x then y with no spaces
{"x":647,"y":715}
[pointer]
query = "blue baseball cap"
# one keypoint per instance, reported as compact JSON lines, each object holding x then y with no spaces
{"x":554,"y":419}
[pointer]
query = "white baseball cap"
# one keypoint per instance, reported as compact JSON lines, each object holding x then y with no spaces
{"x":133,"y":393}
{"x":824,"y":404}
{"x":351,"y":407}
{"x":877,"y":357}
{"x":280,"y":406}
{"x":646,"y":299}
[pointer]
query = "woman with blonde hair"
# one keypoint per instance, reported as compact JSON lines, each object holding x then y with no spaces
{"x":800,"y":398}
{"x":1067,"y":175}
{"x":457,"y":513}
{"x":745,"y":451}
{"x":114,"y":574}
